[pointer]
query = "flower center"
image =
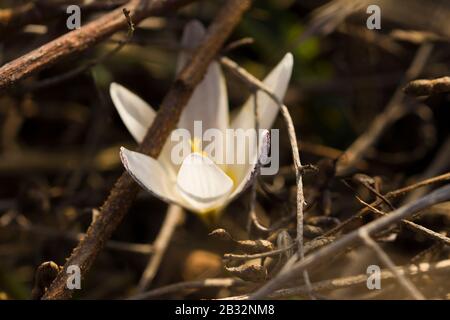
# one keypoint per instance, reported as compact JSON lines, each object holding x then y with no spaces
{"x":196,"y":146}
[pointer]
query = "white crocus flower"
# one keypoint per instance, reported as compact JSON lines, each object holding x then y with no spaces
{"x":198,"y":184}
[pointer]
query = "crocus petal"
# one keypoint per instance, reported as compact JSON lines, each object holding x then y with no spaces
{"x":246,"y":173}
{"x":150,"y":174}
{"x":136,"y":114}
{"x":277,"y":81}
{"x":209,"y":101}
{"x":202,"y":183}
{"x":193,"y":33}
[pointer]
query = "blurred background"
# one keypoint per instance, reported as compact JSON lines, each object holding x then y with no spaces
{"x":59,"y":140}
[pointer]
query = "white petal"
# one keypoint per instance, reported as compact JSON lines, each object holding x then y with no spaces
{"x":150,"y":174}
{"x":202,"y":183}
{"x":247,"y":173}
{"x":165,"y":159}
{"x":209,"y":101}
{"x":136,"y":114}
{"x":277,"y":81}
{"x":193,"y":34}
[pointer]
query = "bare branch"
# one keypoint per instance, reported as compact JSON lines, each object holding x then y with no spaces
{"x":352,"y":281}
{"x":440,"y":195}
{"x":173,"y":218}
{"x":125,"y":189}
{"x":412,"y":225}
{"x":80,"y":40}
{"x":256,"y":84}
{"x":404,"y":282}
{"x":393,"y":111}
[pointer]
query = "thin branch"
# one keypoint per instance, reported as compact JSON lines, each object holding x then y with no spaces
{"x":238,"y":43}
{"x":252,"y":218}
{"x":35,"y":12}
{"x":77,"y":41}
{"x":412,"y":225}
{"x":352,"y":281}
{"x":258,"y":255}
{"x":440,"y":195}
{"x":173,"y":218}
{"x":373,"y":191}
{"x":393,"y":111}
{"x":404,"y":282}
{"x":256,"y":84}
{"x":125,"y":189}
{"x":427,"y":182}
{"x":198,"y":284}
{"x":140,"y":248}
{"x":390,"y":195}
{"x":439,"y":164}
{"x":85,"y":67}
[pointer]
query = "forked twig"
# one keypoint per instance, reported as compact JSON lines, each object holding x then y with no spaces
{"x":393,"y":111}
{"x":357,"y":280}
{"x":412,"y":225}
{"x":440,"y":195}
{"x":44,"y":83}
{"x":256,"y":84}
{"x":390,"y":195}
{"x":78,"y":41}
{"x":402,"y":280}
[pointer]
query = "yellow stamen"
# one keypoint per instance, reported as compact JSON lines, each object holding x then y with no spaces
{"x":211,"y":216}
{"x":196,"y":146}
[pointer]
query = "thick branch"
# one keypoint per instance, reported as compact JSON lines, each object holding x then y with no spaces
{"x":80,"y":40}
{"x":12,"y":19}
{"x":125,"y":190}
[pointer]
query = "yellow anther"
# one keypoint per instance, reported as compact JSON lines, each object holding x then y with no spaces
{"x":196,"y":146}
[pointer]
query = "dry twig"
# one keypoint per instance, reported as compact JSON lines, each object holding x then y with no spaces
{"x":393,"y":111}
{"x":77,"y":41}
{"x":390,"y":195}
{"x":197,"y":284}
{"x":404,"y":282}
{"x":440,"y":195}
{"x":425,"y":87}
{"x":256,"y":84}
{"x":173,"y":218}
{"x":352,"y":281}
{"x":412,"y":226}
{"x":125,"y":189}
